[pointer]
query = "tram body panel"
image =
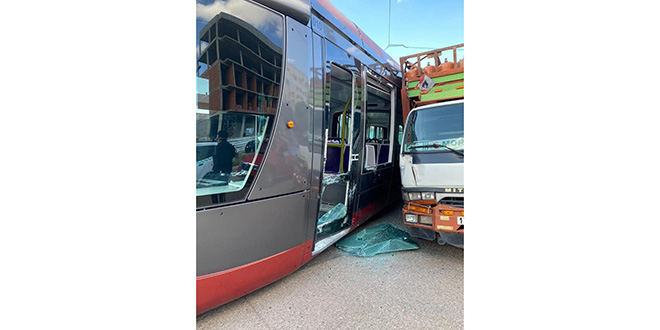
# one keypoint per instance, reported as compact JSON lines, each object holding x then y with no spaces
{"x":297,"y":9}
{"x":287,"y":163}
{"x":317,"y":110}
{"x":239,"y":234}
{"x":220,"y":288}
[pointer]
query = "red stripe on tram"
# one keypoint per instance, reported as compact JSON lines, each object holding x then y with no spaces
{"x":220,"y":288}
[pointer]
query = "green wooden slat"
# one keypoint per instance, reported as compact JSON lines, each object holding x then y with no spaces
{"x":442,"y":95}
{"x":448,"y":87}
{"x":441,"y":79}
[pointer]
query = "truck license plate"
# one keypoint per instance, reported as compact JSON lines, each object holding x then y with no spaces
{"x":459,"y":220}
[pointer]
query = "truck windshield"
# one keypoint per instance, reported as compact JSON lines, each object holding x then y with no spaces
{"x":429,"y":129}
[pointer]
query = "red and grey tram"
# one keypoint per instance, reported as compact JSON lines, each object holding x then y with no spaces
{"x":298,"y":128}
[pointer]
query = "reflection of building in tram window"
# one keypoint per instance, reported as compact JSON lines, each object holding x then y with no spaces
{"x":242,"y":65}
{"x":224,"y":154}
{"x":239,"y":73}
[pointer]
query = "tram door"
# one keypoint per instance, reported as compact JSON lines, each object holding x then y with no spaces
{"x":338,"y":184}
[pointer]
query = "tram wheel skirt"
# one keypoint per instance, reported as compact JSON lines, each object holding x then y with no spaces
{"x":217,"y":289}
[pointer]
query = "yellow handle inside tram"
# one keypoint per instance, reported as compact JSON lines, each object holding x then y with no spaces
{"x":343,"y":135}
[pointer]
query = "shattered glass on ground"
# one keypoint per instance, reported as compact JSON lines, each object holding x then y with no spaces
{"x":382,"y":238}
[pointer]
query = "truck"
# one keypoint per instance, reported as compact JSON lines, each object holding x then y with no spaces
{"x":432,"y":151}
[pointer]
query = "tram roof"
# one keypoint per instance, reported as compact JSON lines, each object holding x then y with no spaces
{"x":337,"y":18}
{"x":301,"y":11}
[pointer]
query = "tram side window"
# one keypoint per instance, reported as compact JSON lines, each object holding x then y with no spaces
{"x":339,"y":126}
{"x":228,"y":162}
{"x":378,"y":146}
{"x":236,"y":99}
{"x":377,"y":133}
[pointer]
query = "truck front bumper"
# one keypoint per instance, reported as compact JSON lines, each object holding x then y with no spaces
{"x":445,"y":220}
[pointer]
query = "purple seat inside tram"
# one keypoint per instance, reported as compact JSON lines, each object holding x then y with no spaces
{"x":383,"y":154}
{"x":333,"y":158}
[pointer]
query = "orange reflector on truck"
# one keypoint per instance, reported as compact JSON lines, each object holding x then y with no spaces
{"x":419,"y":208}
{"x":461,"y":213}
{"x":431,"y":202}
{"x":447,"y":212}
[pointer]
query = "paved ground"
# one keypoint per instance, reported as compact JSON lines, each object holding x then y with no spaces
{"x":418,"y":289}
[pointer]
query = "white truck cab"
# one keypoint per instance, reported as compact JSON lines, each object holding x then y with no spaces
{"x":431,"y":163}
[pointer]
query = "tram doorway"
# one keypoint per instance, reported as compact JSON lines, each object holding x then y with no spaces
{"x":339,"y":180}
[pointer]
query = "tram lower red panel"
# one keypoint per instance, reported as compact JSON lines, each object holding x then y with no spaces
{"x":365,"y":213}
{"x":220,"y":288}
{"x":217,"y":289}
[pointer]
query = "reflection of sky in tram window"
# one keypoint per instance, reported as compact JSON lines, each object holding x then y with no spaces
{"x":202,"y":86}
{"x":265,"y":21}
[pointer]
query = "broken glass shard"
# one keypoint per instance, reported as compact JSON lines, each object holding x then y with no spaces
{"x":331,"y":221}
{"x":382,"y":238}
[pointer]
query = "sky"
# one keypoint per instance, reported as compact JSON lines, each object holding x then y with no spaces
{"x":431,"y":24}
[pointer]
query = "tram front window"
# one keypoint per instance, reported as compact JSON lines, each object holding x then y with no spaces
{"x":239,"y":71}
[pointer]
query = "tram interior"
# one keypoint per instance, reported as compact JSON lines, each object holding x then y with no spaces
{"x":377,"y":143}
{"x":333,"y":220}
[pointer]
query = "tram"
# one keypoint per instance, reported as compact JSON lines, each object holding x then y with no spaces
{"x":298,"y":131}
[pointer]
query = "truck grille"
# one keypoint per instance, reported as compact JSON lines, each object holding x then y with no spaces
{"x":452,"y":201}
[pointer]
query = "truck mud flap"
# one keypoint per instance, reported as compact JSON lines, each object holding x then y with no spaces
{"x":423,"y":233}
{"x":453,"y":239}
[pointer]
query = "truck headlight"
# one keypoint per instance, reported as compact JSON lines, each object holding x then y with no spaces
{"x":428,"y":196}
{"x":412,"y":218}
{"x":405,"y":197}
{"x":415,"y":196}
{"x":426,"y":219}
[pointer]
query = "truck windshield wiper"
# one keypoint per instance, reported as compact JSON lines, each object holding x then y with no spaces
{"x":435,"y":145}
